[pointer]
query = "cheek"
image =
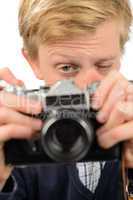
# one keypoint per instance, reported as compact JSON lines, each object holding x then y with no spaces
{"x":50,"y":76}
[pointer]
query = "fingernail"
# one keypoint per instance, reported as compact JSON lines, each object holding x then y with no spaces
{"x":95,"y":102}
{"x":95,"y":105}
{"x":101,"y":117}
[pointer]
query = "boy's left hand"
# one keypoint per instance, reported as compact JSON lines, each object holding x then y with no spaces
{"x":114,"y":100}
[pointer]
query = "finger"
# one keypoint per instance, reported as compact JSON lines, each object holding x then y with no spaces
{"x":20,"y":103}
{"x":104,"y":88}
{"x":109,"y":138}
{"x":130,"y":98}
{"x":122,"y":112}
{"x":115,"y":119}
{"x":126,"y":109}
{"x":129,"y":92}
{"x":116,"y":94}
{"x":10,"y":116}
{"x":129,"y":89}
{"x":8,"y":76}
{"x":15,"y":131}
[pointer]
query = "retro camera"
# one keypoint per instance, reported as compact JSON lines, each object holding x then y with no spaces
{"x":69,"y":131}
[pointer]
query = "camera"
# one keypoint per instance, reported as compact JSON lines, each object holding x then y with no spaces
{"x":69,"y":130}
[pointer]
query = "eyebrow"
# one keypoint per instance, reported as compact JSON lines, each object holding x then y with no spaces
{"x":108,"y":58}
{"x":98,"y":60}
{"x":62,"y":55}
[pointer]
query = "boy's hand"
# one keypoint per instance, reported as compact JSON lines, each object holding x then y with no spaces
{"x":114,"y":100}
{"x":13,"y":124}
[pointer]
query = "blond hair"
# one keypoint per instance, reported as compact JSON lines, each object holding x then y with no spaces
{"x":47,"y":21}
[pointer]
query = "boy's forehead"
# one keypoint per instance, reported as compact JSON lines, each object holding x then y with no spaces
{"x":105,"y":42}
{"x":106,"y":35}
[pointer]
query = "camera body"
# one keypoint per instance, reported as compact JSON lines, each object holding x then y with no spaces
{"x":69,"y":131}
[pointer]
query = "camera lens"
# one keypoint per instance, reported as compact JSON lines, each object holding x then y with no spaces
{"x":66,"y":133}
{"x":67,"y":139}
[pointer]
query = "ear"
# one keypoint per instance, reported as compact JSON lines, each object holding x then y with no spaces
{"x":34,"y":63}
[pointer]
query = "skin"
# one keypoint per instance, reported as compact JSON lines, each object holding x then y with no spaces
{"x":85,"y":59}
{"x":85,"y":53}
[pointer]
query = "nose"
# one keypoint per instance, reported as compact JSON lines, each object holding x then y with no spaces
{"x":87,"y":77}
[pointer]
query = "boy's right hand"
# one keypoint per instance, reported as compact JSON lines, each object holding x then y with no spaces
{"x":14,"y":124}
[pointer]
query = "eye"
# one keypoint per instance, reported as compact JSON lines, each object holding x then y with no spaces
{"x":68,"y":68}
{"x":104,"y":68}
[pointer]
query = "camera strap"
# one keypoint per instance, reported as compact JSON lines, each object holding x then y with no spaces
{"x":125,"y":182}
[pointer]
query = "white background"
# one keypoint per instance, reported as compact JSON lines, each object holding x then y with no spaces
{"x":10,"y":47}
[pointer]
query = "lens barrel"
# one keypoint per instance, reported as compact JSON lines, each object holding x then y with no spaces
{"x":67,"y":138}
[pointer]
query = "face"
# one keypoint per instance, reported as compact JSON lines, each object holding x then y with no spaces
{"x":91,"y":56}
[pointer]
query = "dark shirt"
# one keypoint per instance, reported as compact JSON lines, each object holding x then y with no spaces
{"x":54,"y":182}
